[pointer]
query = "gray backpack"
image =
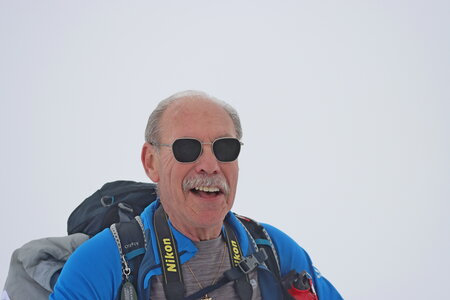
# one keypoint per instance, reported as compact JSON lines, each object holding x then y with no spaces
{"x":35,"y":267}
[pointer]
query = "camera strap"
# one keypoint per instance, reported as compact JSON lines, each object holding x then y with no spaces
{"x":170,"y":263}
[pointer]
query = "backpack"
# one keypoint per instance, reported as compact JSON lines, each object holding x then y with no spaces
{"x":114,"y":202}
{"x":35,"y":267}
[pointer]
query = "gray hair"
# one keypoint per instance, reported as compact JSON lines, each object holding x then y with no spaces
{"x":153,"y":129}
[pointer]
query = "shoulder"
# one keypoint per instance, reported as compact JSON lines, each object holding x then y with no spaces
{"x":93,"y":271}
{"x":293,"y":257}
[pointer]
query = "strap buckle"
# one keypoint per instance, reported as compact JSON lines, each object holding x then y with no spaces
{"x":249,"y":263}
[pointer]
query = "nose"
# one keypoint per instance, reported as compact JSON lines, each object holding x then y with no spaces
{"x":207,"y":162}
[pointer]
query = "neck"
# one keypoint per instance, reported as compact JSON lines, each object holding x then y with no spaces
{"x":197,"y":234}
{"x":195,"y":228}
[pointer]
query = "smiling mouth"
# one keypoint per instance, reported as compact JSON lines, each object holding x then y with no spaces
{"x":205,"y":191}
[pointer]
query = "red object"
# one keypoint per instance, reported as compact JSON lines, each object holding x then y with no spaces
{"x":302,"y":294}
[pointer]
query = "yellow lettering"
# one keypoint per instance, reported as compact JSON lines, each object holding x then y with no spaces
{"x":169,"y":256}
{"x":236,"y":254}
{"x":168,"y":248}
{"x":171,"y":267}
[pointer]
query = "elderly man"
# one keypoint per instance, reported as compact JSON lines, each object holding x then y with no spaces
{"x":191,"y":150}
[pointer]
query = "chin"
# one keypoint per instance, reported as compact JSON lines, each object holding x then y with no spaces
{"x":207,"y":219}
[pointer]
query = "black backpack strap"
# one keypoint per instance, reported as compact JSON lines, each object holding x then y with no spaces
{"x":262,"y":241}
{"x":168,"y":253}
{"x":131,"y":242}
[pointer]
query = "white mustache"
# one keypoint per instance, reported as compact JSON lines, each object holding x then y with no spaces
{"x":206,"y":181}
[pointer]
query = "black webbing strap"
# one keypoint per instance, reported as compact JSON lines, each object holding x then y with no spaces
{"x":263,"y":241}
{"x":170,"y":263}
{"x":243,"y":287}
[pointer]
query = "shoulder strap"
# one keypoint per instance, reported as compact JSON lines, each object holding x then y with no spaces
{"x":262,"y":241}
{"x":131,"y":242}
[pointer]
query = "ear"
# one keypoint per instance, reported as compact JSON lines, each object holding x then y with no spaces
{"x":149,"y":158}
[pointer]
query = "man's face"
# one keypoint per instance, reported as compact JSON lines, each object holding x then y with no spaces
{"x":191,"y":208}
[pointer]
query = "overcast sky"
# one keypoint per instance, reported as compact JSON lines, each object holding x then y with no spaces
{"x":345,"y":108}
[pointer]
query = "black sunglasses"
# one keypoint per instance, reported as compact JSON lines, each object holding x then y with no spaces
{"x":187,"y":150}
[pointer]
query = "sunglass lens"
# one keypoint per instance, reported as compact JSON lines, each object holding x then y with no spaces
{"x":186,"y":150}
{"x":227,"y":149}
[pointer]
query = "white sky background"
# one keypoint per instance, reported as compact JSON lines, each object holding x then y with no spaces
{"x":345,"y":108}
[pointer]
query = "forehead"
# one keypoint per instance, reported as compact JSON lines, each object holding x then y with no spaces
{"x":196,"y":117}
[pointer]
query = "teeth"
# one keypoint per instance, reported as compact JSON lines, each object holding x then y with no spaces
{"x":207,"y":189}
